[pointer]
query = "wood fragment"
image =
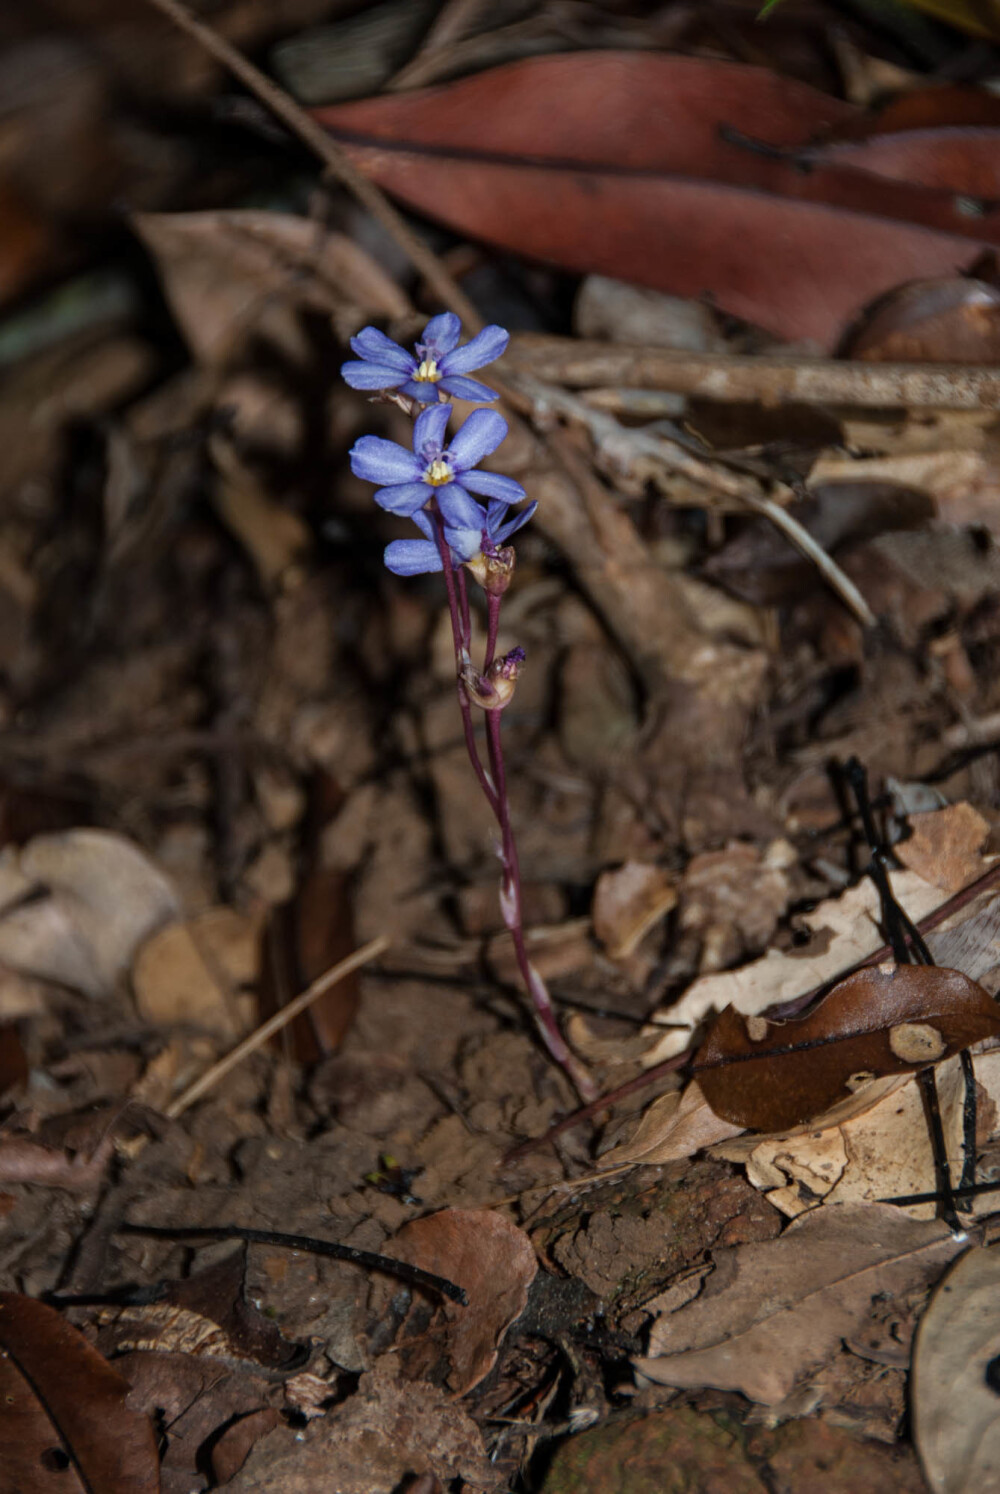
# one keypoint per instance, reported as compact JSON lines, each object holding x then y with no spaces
{"x":578,"y":364}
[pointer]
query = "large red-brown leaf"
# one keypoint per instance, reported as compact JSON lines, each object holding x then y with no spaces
{"x":649,"y":167}
{"x":64,"y":1424}
{"x":767,"y":1076}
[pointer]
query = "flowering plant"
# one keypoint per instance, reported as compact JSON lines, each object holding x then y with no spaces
{"x":438,"y":485}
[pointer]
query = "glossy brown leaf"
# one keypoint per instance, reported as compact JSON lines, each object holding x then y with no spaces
{"x":881,"y":1020}
{"x":65,"y":1425}
{"x":955,"y":320}
{"x":680,"y":173}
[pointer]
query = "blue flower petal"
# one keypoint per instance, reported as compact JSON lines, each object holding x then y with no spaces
{"x":460,"y":387}
{"x":420,"y":389}
{"x":464,"y":543}
{"x":441,"y":335}
{"x":412,"y":557}
{"x":375,"y":347}
{"x":493,"y":485}
{"x":487,"y":345}
{"x":404,"y":497}
{"x":495,"y":510}
{"x":481,"y":434}
{"x":371,"y":375}
{"x":422,"y":519}
{"x":505,"y":531}
{"x":428,"y":431}
{"x":377,"y":460}
{"x":458,"y":508}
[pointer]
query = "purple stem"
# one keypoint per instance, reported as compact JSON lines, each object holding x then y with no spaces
{"x":510,"y":906}
{"x":496,"y":796}
{"x":463,"y":600}
{"x":493,"y":626}
{"x":461,"y":654}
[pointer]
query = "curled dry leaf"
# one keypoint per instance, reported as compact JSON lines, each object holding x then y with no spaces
{"x":494,"y":1261}
{"x":103,"y":898}
{"x":873,"y":1145}
{"x":845,"y":931}
{"x":954,"y":1394}
{"x":64,"y":1410}
{"x":786,"y":1072}
{"x":674,"y":1126}
{"x":628,"y":902}
{"x":772,"y":1312}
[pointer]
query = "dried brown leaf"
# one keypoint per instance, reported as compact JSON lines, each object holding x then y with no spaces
{"x":786,"y":1072}
{"x":845,"y":931}
{"x":64,"y":1402}
{"x":495,"y":1262}
{"x":774,"y":1311}
{"x":945,"y":845}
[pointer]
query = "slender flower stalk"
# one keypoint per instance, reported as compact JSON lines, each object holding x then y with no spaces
{"x":438,"y":486}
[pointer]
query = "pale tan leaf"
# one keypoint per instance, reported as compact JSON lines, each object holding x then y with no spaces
{"x":845,"y":931}
{"x":773,"y":1311}
{"x":674,"y":1126}
{"x":956,"y":1427}
{"x":628,"y":902}
{"x":944,"y":846}
{"x":873,"y":1145}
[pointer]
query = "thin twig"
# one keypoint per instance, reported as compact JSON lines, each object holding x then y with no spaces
{"x":274,"y":1024}
{"x":624,"y":445}
{"x":828,"y":568}
{"x":415,"y":1275}
{"x":336,"y":160}
{"x":579,"y":364}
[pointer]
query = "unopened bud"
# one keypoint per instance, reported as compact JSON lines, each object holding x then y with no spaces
{"x":493,"y":568}
{"x":494,"y":689}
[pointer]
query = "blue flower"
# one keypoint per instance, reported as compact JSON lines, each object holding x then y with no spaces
{"x":411,"y":479}
{"x":414,"y":557}
{"x":439,"y":362}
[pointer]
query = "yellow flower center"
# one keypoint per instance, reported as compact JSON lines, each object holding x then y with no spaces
{"x":438,"y":473}
{"x":428,"y":372}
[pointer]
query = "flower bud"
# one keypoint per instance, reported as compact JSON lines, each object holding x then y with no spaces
{"x":493,"y":567}
{"x":494,"y":689}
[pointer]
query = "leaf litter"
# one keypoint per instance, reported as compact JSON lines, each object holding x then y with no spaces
{"x":230,"y":754}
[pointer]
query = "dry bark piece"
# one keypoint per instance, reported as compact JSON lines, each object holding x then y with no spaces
{"x":387,"y":1430}
{"x":68,"y":1412}
{"x":954,"y":1393}
{"x":494,"y":1261}
{"x":628,"y":902}
{"x":773,"y":1311}
{"x":801,"y":1067}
